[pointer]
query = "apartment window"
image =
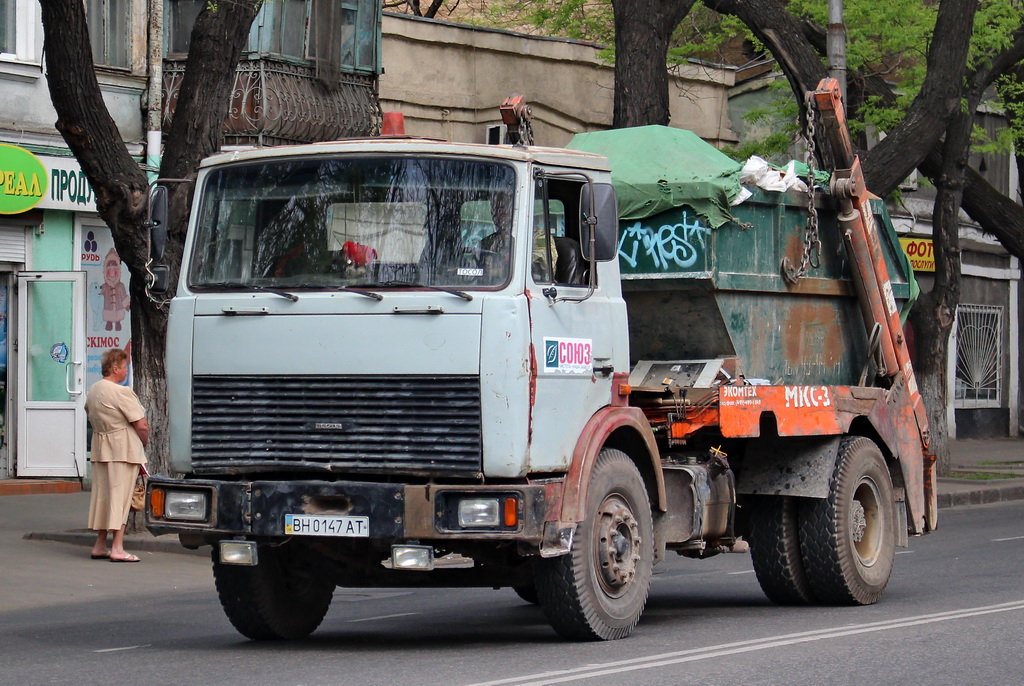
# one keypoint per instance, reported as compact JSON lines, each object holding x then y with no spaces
{"x":979,"y":355}
{"x":108,"y":31}
{"x":8,"y":9}
{"x":181,"y":15}
{"x":341,"y":33}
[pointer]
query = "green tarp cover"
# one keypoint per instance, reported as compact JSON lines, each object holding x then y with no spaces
{"x":658,"y":168}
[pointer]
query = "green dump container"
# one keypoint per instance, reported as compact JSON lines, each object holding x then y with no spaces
{"x":693,"y":292}
{"x":703,"y":280}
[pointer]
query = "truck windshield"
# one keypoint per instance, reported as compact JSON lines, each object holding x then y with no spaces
{"x":336,"y":222}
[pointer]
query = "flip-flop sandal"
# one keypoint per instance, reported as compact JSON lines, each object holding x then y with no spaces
{"x":130,"y":558}
{"x":105,"y":556}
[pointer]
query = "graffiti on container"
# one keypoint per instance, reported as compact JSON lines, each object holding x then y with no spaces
{"x":671,"y":246}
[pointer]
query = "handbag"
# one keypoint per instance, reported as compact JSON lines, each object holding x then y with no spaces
{"x":139,"y":494}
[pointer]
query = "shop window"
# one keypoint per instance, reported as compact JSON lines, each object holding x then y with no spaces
{"x":108,"y":31}
{"x":979,"y":354}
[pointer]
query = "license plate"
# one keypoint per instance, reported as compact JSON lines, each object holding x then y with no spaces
{"x":326,"y":525}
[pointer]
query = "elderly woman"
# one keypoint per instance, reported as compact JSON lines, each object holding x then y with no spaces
{"x":120,"y":434}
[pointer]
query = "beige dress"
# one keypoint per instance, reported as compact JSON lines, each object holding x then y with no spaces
{"x":117,"y":452}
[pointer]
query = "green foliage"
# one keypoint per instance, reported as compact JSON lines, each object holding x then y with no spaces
{"x":588,"y":20}
{"x":887,"y":38}
{"x":774,"y":147}
{"x":1011,"y":92}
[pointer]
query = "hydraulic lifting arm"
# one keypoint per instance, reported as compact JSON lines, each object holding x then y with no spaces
{"x":860,"y":233}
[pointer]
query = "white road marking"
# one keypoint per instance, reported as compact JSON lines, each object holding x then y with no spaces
{"x":904,"y":552}
{"x":1012,"y":538}
{"x":711,"y":652}
{"x":114,"y":650}
{"x":372,"y":619}
{"x":748,"y":571}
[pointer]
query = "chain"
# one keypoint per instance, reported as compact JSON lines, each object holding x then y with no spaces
{"x":812,"y":243}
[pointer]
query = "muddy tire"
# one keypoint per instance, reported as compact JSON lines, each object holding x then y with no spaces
{"x":848,"y":540}
{"x":283,"y":597}
{"x":598,"y":590}
{"x":775,"y":550}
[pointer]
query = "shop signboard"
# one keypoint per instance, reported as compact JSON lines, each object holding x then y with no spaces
{"x":920,"y":253}
{"x":23,"y":180}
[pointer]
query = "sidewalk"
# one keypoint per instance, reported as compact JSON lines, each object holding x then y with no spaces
{"x":59,"y":514}
{"x":1004,"y":456}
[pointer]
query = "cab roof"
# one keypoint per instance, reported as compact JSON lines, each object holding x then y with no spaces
{"x":414,"y":146}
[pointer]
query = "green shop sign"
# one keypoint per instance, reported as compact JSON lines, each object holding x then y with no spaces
{"x":22,"y":180}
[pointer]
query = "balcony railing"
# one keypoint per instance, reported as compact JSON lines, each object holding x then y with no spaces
{"x":275,"y":101}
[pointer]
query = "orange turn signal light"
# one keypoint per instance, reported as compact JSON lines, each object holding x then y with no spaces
{"x":156,"y":502}
{"x":511,"y":512}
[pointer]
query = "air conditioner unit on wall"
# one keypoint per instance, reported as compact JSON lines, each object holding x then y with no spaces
{"x":497,"y":134}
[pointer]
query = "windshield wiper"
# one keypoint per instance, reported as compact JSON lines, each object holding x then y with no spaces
{"x":346,"y":289}
{"x":410,"y":284}
{"x":250,"y":287}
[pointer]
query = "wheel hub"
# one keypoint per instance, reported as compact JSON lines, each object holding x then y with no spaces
{"x":865,"y":522}
{"x":618,"y":546}
{"x":859,"y":523}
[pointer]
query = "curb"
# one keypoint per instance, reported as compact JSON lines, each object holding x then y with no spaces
{"x":38,"y":487}
{"x":168,"y":543}
{"x":981,"y":496}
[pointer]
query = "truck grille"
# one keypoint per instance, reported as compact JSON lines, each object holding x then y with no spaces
{"x":426,"y":425}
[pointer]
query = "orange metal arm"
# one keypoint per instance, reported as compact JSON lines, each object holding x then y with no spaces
{"x":871,"y":274}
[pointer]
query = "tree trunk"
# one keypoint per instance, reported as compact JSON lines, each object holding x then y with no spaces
{"x":642,"y":32}
{"x":121,"y":186}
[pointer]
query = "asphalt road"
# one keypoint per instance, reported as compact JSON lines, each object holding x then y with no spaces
{"x":953,"y":614}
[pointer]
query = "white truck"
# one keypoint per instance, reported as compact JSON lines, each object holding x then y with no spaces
{"x":403,"y":363}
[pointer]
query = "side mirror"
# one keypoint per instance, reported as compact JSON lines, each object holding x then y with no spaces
{"x":157,"y":222}
{"x":599,"y":215}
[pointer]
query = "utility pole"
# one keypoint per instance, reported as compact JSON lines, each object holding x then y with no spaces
{"x":835,"y":44}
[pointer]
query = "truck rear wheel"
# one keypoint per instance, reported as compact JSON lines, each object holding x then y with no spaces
{"x":283,"y":597}
{"x":848,"y":540}
{"x":598,"y":590}
{"x":775,"y":550}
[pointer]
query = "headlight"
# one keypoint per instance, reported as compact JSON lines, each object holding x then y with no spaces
{"x":239,"y":553}
{"x":190,"y":506}
{"x":476,"y":512}
{"x":418,"y":557}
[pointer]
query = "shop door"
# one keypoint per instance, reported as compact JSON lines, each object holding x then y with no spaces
{"x":51,"y":374}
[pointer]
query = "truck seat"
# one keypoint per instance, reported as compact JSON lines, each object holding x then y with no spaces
{"x":570,"y":267}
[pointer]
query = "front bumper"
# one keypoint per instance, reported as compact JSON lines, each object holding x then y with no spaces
{"x":396,"y":512}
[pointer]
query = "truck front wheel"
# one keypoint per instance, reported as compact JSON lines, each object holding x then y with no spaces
{"x":598,"y":590}
{"x":848,"y":540}
{"x":283,"y":597}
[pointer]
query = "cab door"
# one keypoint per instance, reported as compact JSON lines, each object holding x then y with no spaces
{"x":578,"y":336}
{"x":51,"y":374}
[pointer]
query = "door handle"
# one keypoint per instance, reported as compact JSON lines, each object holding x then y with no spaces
{"x":604,"y":367}
{"x":67,"y":380}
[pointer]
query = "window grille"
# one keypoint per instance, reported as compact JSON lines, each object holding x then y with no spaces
{"x":979,"y":355}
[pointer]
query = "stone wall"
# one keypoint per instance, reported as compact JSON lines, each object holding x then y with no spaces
{"x":448,"y":80}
